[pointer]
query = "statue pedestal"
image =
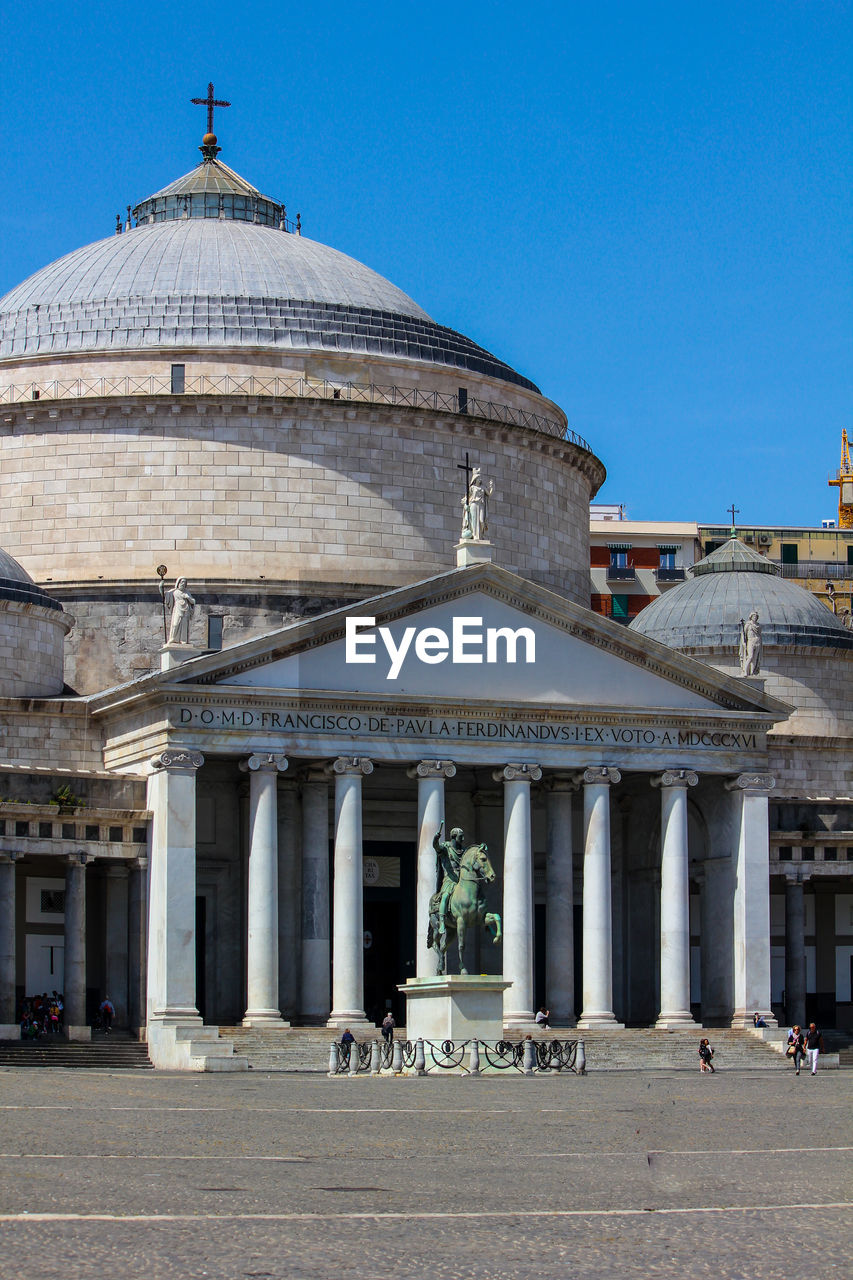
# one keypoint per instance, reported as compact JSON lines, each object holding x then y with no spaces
{"x":173,"y":654}
{"x":473,"y":551}
{"x":455,"y":1007}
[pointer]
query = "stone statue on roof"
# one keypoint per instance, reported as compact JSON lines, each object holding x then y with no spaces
{"x":475,"y":507}
{"x":182,"y":605}
{"x":750,"y":645}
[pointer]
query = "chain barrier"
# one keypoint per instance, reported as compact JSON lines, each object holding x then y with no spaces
{"x":524,"y":1057}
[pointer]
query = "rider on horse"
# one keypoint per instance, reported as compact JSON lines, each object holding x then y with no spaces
{"x":449,"y":854}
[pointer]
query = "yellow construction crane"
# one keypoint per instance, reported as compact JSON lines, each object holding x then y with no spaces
{"x":844,"y":481}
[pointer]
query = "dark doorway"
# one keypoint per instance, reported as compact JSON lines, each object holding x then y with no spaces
{"x":389,"y":927}
{"x":200,"y":956}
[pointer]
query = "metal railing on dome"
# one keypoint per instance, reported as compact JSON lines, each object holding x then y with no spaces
{"x":227,"y":384}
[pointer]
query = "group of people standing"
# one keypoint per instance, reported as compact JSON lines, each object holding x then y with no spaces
{"x":41,"y":1015}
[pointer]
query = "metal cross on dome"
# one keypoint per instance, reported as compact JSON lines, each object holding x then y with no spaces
{"x":210,"y":102}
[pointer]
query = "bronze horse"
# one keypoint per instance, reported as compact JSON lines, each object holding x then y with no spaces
{"x":465,"y":909}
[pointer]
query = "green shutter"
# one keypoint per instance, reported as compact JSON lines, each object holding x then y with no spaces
{"x":789,"y":553}
{"x":619,"y":608}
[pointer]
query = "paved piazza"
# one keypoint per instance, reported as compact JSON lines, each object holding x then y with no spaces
{"x":665,"y":1174}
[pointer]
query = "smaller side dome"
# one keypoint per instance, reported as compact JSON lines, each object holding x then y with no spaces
{"x":705,"y":611}
{"x":33,"y":627}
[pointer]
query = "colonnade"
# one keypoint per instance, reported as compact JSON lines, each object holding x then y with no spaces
{"x":172,"y":953}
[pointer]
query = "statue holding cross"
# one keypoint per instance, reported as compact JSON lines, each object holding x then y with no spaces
{"x":475,"y":504}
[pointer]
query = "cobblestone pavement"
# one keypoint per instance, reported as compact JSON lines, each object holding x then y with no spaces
{"x":154,"y":1175}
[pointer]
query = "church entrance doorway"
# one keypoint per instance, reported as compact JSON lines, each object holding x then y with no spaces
{"x":389,"y":927}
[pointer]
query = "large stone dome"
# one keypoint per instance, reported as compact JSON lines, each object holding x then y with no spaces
{"x":225,"y":283}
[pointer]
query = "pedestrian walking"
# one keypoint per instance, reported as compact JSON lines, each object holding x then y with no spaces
{"x":706,"y":1053}
{"x":107,"y":1012}
{"x":814,"y":1044}
{"x":796,"y":1047}
{"x":388,"y":1025}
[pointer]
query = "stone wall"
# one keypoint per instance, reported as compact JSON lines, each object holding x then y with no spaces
{"x":284,"y":491}
{"x":31,"y":650}
{"x":49,"y":734}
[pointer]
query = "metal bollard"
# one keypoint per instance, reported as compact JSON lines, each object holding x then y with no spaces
{"x":529,"y":1057}
{"x":420,"y":1057}
{"x":580,"y":1059}
{"x":353,"y":1059}
{"x":334,"y":1059}
{"x":397,"y":1058}
{"x":375,"y":1059}
{"x":474,"y":1058}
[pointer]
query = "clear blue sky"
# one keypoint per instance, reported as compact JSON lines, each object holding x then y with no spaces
{"x":645,"y":207}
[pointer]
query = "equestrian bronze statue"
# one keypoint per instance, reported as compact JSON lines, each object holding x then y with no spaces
{"x":460,"y":903}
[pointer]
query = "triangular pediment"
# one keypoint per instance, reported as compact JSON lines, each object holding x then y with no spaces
{"x":533,"y":646}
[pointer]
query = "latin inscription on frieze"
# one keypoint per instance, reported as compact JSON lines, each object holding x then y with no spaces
{"x":357,"y":723}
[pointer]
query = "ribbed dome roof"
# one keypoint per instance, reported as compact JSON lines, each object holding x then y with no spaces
{"x":705,"y":611}
{"x":224,"y":281}
{"x":16,"y":584}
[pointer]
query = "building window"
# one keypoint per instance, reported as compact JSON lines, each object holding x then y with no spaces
{"x":45,"y":830}
{"x":116,"y":835}
{"x":22,"y":828}
{"x":52,"y":902}
{"x":807,"y":853}
{"x":92,"y":833}
{"x":830,"y":855}
{"x":69,"y":831}
{"x":786,"y":853}
{"x":667,"y":559}
{"x":619,"y":608}
{"x":140,"y":835}
{"x":214,"y":631}
{"x":179,"y":379}
{"x":850,"y":553}
{"x":790,"y":554}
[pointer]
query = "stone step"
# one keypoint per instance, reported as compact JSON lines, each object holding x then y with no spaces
{"x":306,"y":1049}
{"x":104,"y":1053}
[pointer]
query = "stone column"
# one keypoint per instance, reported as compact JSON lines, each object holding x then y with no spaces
{"x":262,"y":932}
{"x":795,"y":949}
{"x":172,"y":889}
{"x":137,"y":930}
{"x":9,"y":1029}
{"x":674,"y":900}
{"x":430,"y":775}
{"x":315,"y":1001}
{"x":116,"y":959}
{"x":751,"y":899}
{"x":348,"y":939}
{"x":289,"y":897}
{"x":76,"y":1025}
{"x":597,"y":923}
{"x":559,"y":920}
{"x":518,"y":893}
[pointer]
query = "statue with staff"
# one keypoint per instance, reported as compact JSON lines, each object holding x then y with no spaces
{"x":475,"y":506}
{"x":460,"y":903}
{"x":182,"y":605}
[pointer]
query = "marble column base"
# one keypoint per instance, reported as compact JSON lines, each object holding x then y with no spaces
{"x":264,"y":1018}
{"x":340,"y":1021}
{"x":77,"y":1033}
{"x":188,"y":1045}
{"x":741,"y":1020}
{"x":592,"y":1021}
{"x":525,"y":1022}
{"x":675,"y":1021}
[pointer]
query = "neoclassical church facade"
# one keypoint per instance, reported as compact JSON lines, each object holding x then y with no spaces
{"x":234,"y":820}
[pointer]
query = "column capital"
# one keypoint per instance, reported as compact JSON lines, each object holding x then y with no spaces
{"x":561,"y":782}
{"x":79,"y":859}
{"x":350,"y":765}
{"x":518,"y":773}
{"x":796,"y":875}
{"x":600,"y":775}
{"x":264,"y":762}
{"x":138,"y":864}
{"x":761,"y":783}
{"x":177,"y":758}
{"x":432,"y":769}
{"x":6,"y":858}
{"x":675,"y":778}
